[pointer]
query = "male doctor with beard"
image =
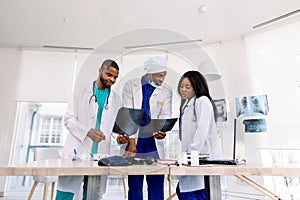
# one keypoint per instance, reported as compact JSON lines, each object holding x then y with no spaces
{"x":155,"y":98}
{"x":89,"y":120}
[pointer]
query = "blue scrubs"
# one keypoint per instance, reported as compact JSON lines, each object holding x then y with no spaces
{"x":146,"y":147}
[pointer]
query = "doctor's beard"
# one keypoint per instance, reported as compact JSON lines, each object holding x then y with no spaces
{"x":105,"y":82}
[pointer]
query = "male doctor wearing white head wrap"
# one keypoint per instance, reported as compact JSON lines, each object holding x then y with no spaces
{"x":151,"y":94}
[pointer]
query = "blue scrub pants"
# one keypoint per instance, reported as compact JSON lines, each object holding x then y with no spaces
{"x":194,"y":195}
{"x":146,"y":147}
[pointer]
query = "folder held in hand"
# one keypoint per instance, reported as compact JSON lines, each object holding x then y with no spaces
{"x":128,"y":120}
{"x":163,"y":125}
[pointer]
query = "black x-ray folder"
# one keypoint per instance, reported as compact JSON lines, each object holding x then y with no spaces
{"x":163,"y":125}
{"x":128,"y":120}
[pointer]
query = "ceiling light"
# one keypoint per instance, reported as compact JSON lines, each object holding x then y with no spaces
{"x":203,"y":9}
{"x":162,"y":44}
{"x":209,"y":70}
{"x":66,"y":20}
{"x":66,"y":47}
{"x":276,"y":19}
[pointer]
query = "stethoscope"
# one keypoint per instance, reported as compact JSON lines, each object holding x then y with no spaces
{"x":194,"y":109}
{"x":182,"y":112}
{"x":93,"y":96}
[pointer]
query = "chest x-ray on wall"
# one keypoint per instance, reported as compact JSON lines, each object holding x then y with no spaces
{"x":251,"y":105}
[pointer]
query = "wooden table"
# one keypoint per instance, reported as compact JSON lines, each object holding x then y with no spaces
{"x":240,"y":171}
{"x":58,"y":167}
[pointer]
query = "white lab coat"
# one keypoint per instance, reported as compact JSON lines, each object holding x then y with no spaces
{"x":199,"y":133}
{"x":160,"y":104}
{"x":80,"y":117}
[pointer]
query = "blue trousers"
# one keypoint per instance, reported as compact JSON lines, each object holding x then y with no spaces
{"x":194,"y":195}
{"x":155,"y":187}
{"x":146,"y":147}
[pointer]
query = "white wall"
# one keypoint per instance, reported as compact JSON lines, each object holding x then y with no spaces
{"x":9,"y":70}
{"x":274,"y":60}
{"x":230,"y":58}
{"x":46,"y":76}
{"x":269,"y":64}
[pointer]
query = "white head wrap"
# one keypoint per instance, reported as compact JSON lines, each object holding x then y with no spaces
{"x":155,"y":64}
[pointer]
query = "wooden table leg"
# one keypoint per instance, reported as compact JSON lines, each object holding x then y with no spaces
{"x":258,"y":187}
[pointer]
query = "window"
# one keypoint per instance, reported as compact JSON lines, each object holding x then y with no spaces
{"x":50,"y":130}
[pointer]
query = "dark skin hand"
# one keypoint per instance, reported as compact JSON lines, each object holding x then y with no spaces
{"x":122,"y":139}
{"x":130,"y":150}
{"x":159,"y":135}
{"x":96,"y":135}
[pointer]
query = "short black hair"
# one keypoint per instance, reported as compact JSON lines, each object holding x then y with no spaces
{"x":107,"y":63}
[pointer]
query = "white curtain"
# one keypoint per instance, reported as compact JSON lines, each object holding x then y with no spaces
{"x":47,"y":76}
